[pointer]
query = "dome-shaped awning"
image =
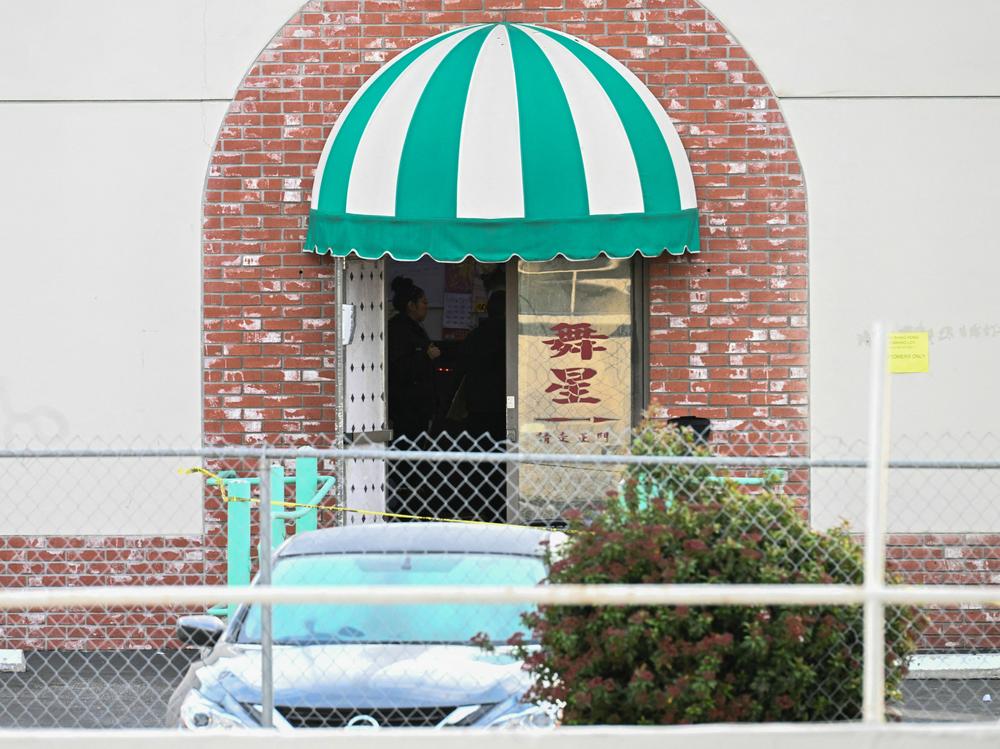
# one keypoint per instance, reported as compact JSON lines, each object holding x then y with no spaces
{"x":499,"y":140}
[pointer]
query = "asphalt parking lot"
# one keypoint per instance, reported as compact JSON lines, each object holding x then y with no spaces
{"x":953,"y":699}
{"x":109,"y":689}
{"x":103,"y":689}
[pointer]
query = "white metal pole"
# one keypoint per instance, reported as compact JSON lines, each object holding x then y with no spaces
{"x":266,"y":622}
{"x":702,"y":594}
{"x":873,"y":698}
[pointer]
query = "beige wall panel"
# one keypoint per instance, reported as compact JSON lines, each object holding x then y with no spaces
{"x":133,"y":49}
{"x":102,"y":208}
{"x":901,"y":195}
{"x":869,"y":47}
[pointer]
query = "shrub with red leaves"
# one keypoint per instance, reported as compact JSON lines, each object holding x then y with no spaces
{"x":662,"y":665}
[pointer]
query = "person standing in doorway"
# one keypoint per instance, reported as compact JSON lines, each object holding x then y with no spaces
{"x":411,"y":354}
{"x":412,"y":396}
{"x":484,"y":369}
{"x":484,"y":366}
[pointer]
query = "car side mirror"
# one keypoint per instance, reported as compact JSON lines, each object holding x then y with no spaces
{"x":201,"y":630}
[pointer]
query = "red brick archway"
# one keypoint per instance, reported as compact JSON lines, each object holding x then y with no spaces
{"x":729,"y":331}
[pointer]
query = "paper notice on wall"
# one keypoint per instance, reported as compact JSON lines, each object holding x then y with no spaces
{"x":909,"y":352}
{"x":458,"y":277}
{"x":457,"y":310}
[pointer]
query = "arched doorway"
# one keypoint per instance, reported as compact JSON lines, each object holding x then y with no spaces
{"x":271,"y":342}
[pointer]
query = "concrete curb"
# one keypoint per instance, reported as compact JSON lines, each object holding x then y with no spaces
{"x":955,"y":666}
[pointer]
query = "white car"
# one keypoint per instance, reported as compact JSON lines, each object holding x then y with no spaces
{"x":375,"y":665}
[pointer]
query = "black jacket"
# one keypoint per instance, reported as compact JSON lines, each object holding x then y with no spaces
{"x":412,"y":398}
{"x":484,"y":367}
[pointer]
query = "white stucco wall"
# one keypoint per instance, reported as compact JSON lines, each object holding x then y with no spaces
{"x":139,"y":50}
{"x":884,"y":48}
{"x":894,"y":115}
{"x":108,"y":110}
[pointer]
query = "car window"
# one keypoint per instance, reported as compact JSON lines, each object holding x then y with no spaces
{"x":450,"y":623}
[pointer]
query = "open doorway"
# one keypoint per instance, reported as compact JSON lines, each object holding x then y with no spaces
{"x":556,"y":368}
{"x":447,"y":379}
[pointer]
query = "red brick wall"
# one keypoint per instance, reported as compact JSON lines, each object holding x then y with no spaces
{"x":728,"y":328}
{"x":52,"y":561}
{"x":729,"y":331}
{"x":951,"y":559}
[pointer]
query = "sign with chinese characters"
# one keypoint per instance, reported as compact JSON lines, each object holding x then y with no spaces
{"x":575,"y":359}
{"x":575,"y":398}
{"x":909,"y":352}
{"x":576,"y":382}
{"x":582,"y":386}
{"x":574,"y":375}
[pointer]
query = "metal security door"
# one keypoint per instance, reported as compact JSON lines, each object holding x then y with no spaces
{"x":364,"y":385}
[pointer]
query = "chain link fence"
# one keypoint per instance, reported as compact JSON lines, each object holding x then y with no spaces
{"x":707,"y":508}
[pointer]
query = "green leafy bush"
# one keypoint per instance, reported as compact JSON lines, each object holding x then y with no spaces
{"x":659,"y":665}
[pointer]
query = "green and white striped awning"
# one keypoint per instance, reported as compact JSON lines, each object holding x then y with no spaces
{"x":499,"y":140}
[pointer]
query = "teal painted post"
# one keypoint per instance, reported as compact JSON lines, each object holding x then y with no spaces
{"x":237,"y":535}
{"x":306,"y":484}
{"x":277,"y":511}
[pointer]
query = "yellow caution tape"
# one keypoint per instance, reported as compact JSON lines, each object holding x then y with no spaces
{"x":337,"y":508}
{"x":206,"y":472}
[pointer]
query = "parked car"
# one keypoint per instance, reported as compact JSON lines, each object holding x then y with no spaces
{"x":374,"y":665}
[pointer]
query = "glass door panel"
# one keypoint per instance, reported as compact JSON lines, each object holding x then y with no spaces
{"x":574,"y":376}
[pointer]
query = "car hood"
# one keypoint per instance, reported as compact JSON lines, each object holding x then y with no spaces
{"x":366,"y":676}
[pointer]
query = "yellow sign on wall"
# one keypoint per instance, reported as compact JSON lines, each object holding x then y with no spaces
{"x":909,"y":352}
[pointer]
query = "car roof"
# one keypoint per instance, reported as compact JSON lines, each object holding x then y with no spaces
{"x":421,"y":537}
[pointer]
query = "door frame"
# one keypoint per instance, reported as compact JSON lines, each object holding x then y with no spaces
{"x":511,"y":291}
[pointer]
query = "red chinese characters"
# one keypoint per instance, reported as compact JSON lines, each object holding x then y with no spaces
{"x":575,"y":338}
{"x":573,"y":385}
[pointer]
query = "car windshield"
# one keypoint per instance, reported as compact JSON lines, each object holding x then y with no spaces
{"x":299,"y":624}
